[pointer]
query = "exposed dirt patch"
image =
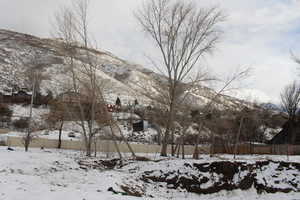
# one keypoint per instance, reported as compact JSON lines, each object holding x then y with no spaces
{"x":208,"y":178}
{"x":102,"y":164}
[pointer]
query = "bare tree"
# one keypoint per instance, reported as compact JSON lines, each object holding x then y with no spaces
{"x":84,"y":86}
{"x":33,"y":78}
{"x":290,"y":98}
{"x":238,"y":75}
{"x":27,"y":138}
{"x":239,"y":132}
{"x":71,"y":25}
{"x":56,"y":118}
{"x":183,"y":34}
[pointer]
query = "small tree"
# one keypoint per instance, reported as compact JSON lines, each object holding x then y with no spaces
{"x":136,"y":103}
{"x":21,"y":123}
{"x":5,"y":113}
{"x":238,"y":75}
{"x":56,"y":118}
{"x":35,"y":68}
{"x":118,"y":102}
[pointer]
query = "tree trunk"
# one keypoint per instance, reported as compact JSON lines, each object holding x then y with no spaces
{"x":115,"y":142}
{"x":125,"y":140}
{"x":27,"y":139}
{"x":238,"y":138}
{"x":59,"y":135}
{"x":178,"y":149}
{"x":173,"y":149}
{"x":95,"y":148}
{"x":26,"y":145}
{"x":89,"y":147}
{"x":182,"y":148}
{"x":164,"y":146}
{"x":293,"y":139}
{"x":212,"y":146}
{"x":196,"y":150}
{"x":159,"y":138}
{"x":287,"y":140}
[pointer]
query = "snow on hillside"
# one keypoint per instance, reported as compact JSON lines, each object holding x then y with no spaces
{"x":252,"y":95}
{"x":20,"y":111}
{"x":269,"y":133}
{"x":121,"y":78}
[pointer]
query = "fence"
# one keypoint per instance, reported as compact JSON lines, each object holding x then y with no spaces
{"x":259,"y":149}
{"x":101,"y":146}
{"x":108,"y":146}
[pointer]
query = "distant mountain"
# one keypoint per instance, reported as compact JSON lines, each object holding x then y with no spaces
{"x":252,"y":95}
{"x":121,"y":77}
{"x":271,"y":106}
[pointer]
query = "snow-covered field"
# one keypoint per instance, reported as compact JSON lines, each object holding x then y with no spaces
{"x":38,"y":175}
{"x":53,"y":174}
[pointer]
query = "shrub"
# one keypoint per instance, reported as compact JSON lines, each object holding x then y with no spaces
{"x":5,"y":114}
{"x":5,"y":110}
{"x":21,"y":123}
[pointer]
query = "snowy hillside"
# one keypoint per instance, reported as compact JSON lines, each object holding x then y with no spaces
{"x":121,"y":78}
{"x":252,"y":95}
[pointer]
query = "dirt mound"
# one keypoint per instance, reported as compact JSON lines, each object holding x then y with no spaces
{"x":93,"y":163}
{"x":208,"y":178}
{"x":102,"y":164}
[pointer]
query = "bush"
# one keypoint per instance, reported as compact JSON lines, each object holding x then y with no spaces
{"x":21,"y":123}
{"x":5,"y":113}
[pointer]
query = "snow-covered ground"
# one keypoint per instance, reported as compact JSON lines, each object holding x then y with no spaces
{"x":53,"y":174}
{"x":72,"y":134}
{"x":52,"y":135}
{"x":23,"y":111}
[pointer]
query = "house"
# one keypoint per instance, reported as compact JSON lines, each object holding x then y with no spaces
{"x":69,"y":97}
{"x":141,"y":125}
{"x":20,"y":96}
{"x":285,"y":136}
{"x":138,"y":126}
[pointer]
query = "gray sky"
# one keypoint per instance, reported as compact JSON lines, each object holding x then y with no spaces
{"x":257,"y":33}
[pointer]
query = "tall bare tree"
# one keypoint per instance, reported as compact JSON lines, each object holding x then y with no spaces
{"x":290,"y":98}
{"x":33,"y":78}
{"x":182,"y":34}
{"x":85,"y":86}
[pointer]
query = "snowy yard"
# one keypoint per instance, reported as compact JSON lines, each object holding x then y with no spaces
{"x":53,"y":174}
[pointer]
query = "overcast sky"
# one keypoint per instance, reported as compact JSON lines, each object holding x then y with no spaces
{"x":257,"y":33}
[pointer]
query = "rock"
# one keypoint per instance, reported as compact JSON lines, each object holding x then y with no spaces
{"x":10,"y":149}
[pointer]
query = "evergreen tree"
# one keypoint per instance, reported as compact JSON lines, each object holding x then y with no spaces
{"x":118,"y":102}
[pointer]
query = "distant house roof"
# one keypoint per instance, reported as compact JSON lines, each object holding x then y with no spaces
{"x":22,"y":93}
{"x":285,"y":135}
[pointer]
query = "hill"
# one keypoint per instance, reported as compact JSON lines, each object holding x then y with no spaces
{"x":121,"y":77}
